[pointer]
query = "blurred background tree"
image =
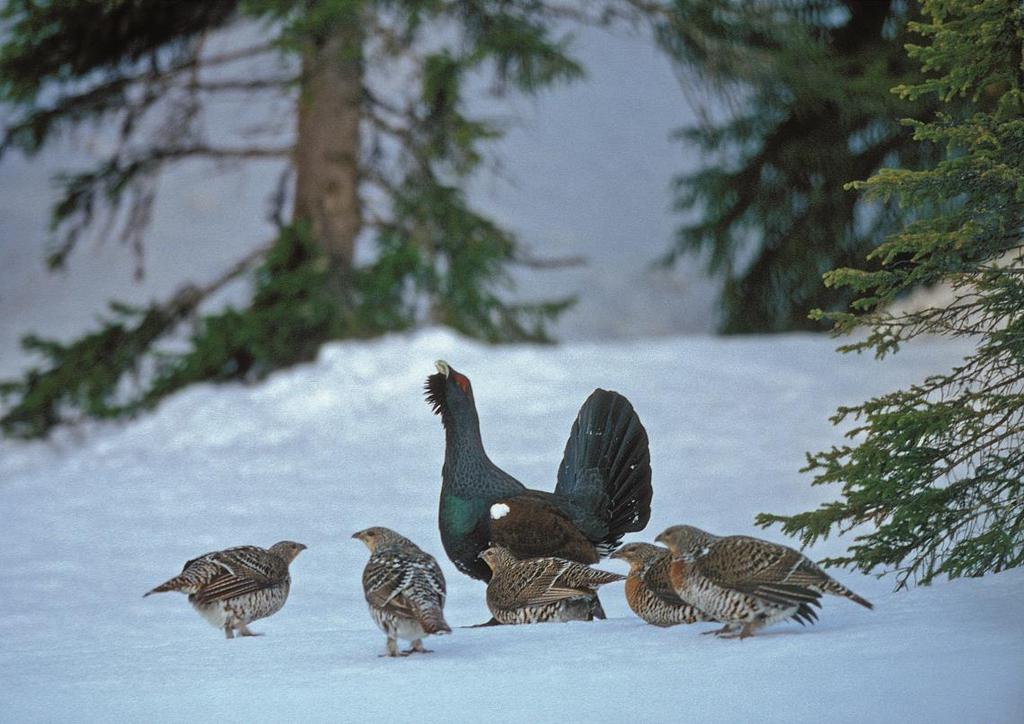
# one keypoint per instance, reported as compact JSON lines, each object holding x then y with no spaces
{"x":810,"y":108}
{"x":376,"y":233}
{"x":937,"y":472}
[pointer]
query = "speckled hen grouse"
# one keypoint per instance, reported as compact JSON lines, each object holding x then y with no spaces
{"x":603,"y":489}
{"x":234,"y":587}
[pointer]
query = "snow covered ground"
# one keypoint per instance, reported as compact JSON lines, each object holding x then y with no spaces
{"x":94,"y":519}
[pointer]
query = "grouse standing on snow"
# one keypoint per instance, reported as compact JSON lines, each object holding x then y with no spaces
{"x":603,"y":488}
{"x":540,"y":590}
{"x":744,"y":582}
{"x":404,"y":588}
{"x":649,"y":590}
{"x":234,"y":587}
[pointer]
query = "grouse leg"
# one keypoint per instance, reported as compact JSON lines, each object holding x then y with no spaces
{"x":229,"y":632}
{"x":243,"y":630}
{"x":417,"y":647}
{"x":725,"y":631}
{"x":393,"y":649}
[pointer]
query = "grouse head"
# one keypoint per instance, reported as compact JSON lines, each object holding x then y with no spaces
{"x":638,"y":555}
{"x":378,"y":536}
{"x":685,"y":541}
{"x":497,"y":557}
{"x":287,"y":550}
{"x":451,"y":395}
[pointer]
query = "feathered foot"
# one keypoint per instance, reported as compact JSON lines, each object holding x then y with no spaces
{"x":724,"y":631}
{"x":393,"y":651}
{"x":417,"y":647}
{"x":743,"y":632}
{"x":243,"y":630}
{"x":747,"y":631}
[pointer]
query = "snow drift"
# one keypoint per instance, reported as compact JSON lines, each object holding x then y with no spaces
{"x":94,"y":519}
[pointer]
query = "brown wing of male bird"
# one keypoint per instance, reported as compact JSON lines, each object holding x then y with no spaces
{"x":532,"y":527}
{"x":760,"y":568}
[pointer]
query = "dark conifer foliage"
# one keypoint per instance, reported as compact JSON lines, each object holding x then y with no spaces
{"x":366,"y":166}
{"x":933,"y":476}
{"x":809,"y":109}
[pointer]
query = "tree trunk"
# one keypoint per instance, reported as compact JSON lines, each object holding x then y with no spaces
{"x":327,"y":147}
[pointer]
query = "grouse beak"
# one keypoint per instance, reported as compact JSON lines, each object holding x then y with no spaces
{"x":442,"y":367}
{"x":661,"y":538}
{"x":616,"y":554}
{"x":301,"y":546}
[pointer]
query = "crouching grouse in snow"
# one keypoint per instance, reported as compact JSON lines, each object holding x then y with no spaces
{"x":649,"y":590}
{"x":404,"y":588}
{"x":539,"y":590}
{"x":234,"y":587}
{"x":603,"y":489}
{"x":746,"y":583}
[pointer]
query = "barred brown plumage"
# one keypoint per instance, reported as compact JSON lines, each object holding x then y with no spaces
{"x":404,"y":588}
{"x":538,"y":590}
{"x":649,"y":590}
{"x":234,"y":587}
{"x":747,"y":583}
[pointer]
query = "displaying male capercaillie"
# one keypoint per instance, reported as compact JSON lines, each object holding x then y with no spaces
{"x":649,"y":590}
{"x":404,"y":589}
{"x":234,"y":587}
{"x":541,"y":590}
{"x":747,"y":583}
{"x":603,"y":489}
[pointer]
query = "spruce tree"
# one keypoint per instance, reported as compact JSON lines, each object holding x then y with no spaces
{"x":367,"y":164}
{"x":807,"y":107}
{"x":933,"y":479}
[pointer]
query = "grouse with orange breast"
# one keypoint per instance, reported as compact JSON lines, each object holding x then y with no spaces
{"x":603,"y":489}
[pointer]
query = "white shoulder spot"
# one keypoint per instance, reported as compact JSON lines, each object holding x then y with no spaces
{"x":499,"y":510}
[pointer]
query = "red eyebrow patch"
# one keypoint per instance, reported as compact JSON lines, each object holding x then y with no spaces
{"x":463,"y":382}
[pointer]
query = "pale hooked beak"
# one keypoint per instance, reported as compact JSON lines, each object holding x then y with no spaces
{"x":442,"y":367}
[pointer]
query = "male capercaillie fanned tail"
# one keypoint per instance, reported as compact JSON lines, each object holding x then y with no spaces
{"x":606,"y":467}
{"x":603,"y":488}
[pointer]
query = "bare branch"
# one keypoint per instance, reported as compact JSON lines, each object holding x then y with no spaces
{"x":526,"y":259}
{"x":243,"y":86}
{"x":213,"y":152}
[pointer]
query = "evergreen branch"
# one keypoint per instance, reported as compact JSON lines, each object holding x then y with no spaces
{"x":31,"y":131}
{"x":938,"y":468}
{"x":88,"y":373}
